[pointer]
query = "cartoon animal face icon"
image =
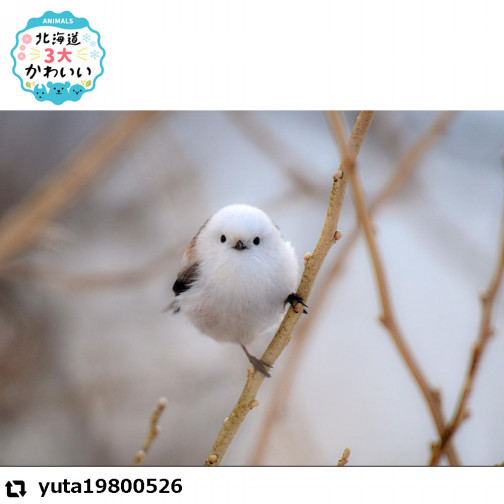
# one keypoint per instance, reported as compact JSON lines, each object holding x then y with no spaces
{"x":40,"y":92}
{"x":76,"y":91}
{"x":58,"y":92}
{"x":58,"y":88}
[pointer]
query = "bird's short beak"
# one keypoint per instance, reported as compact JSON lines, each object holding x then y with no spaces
{"x":239,"y":245}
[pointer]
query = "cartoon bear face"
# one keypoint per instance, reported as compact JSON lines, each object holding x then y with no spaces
{"x":40,"y":92}
{"x":75,"y":92}
{"x":58,"y":88}
{"x":58,"y":92}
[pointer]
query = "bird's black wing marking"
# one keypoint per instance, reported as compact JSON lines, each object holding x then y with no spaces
{"x":185,"y":279}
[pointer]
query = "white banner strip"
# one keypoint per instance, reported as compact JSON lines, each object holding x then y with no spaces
{"x":251,"y":485}
{"x":197,"y":55}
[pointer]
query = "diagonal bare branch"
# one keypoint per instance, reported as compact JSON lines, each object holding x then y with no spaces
{"x":23,"y":226}
{"x":407,"y":163}
{"x":388,"y":317}
{"x":247,"y":399}
{"x":484,"y":333}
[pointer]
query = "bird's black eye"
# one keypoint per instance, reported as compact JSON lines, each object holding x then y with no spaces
{"x":257,"y":240}
{"x":223,"y":238}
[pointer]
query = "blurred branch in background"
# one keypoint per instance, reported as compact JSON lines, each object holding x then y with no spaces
{"x":153,"y":430}
{"x":266,"y":142}
{"x":23,"y":225}
{"x":485,"y":331}
{"x":127,"y":278}
{"x":284,"y":384}
{"x":283,"y":335}
{"x":388,"y":318}
{"x":87,"y":281}
{"x":412,"y":158}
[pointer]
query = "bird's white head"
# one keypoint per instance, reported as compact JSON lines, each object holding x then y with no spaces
{"x":238,"y":234}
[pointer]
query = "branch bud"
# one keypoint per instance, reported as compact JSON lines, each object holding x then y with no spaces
{"x":338,"y":175}
{"x":212,"y":459}
{"x":139,"y":457}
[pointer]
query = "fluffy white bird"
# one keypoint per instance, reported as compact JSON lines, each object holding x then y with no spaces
{"x":238,"y":274}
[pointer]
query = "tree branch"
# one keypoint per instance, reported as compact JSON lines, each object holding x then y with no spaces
{"x":153,"y":430}
{"x":484,"y":333}
{"x":407,"y":162}
{"x":388,"y":319}
{"x":282,"y":337}
{"x":22,"y":227}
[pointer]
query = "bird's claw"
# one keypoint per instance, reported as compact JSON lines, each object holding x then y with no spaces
{"x":294,"y":299}
{"x":260,"y":365}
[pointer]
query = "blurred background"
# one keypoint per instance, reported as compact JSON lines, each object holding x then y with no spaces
{"x":86,"y":349}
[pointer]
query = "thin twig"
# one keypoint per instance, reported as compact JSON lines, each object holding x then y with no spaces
{"x":408,"y":161}
{"x":344,"y":458}
{"x":153,"y":430}
{"x":484,"y":333}
{"x":23,"y":226}
{"x":387,"y":318}
{"x":283,"y":335}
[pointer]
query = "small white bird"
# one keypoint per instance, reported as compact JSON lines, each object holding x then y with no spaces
{"x":238,"y":274}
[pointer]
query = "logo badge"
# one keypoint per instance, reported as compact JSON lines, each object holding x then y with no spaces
{"x":58,"y":57}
